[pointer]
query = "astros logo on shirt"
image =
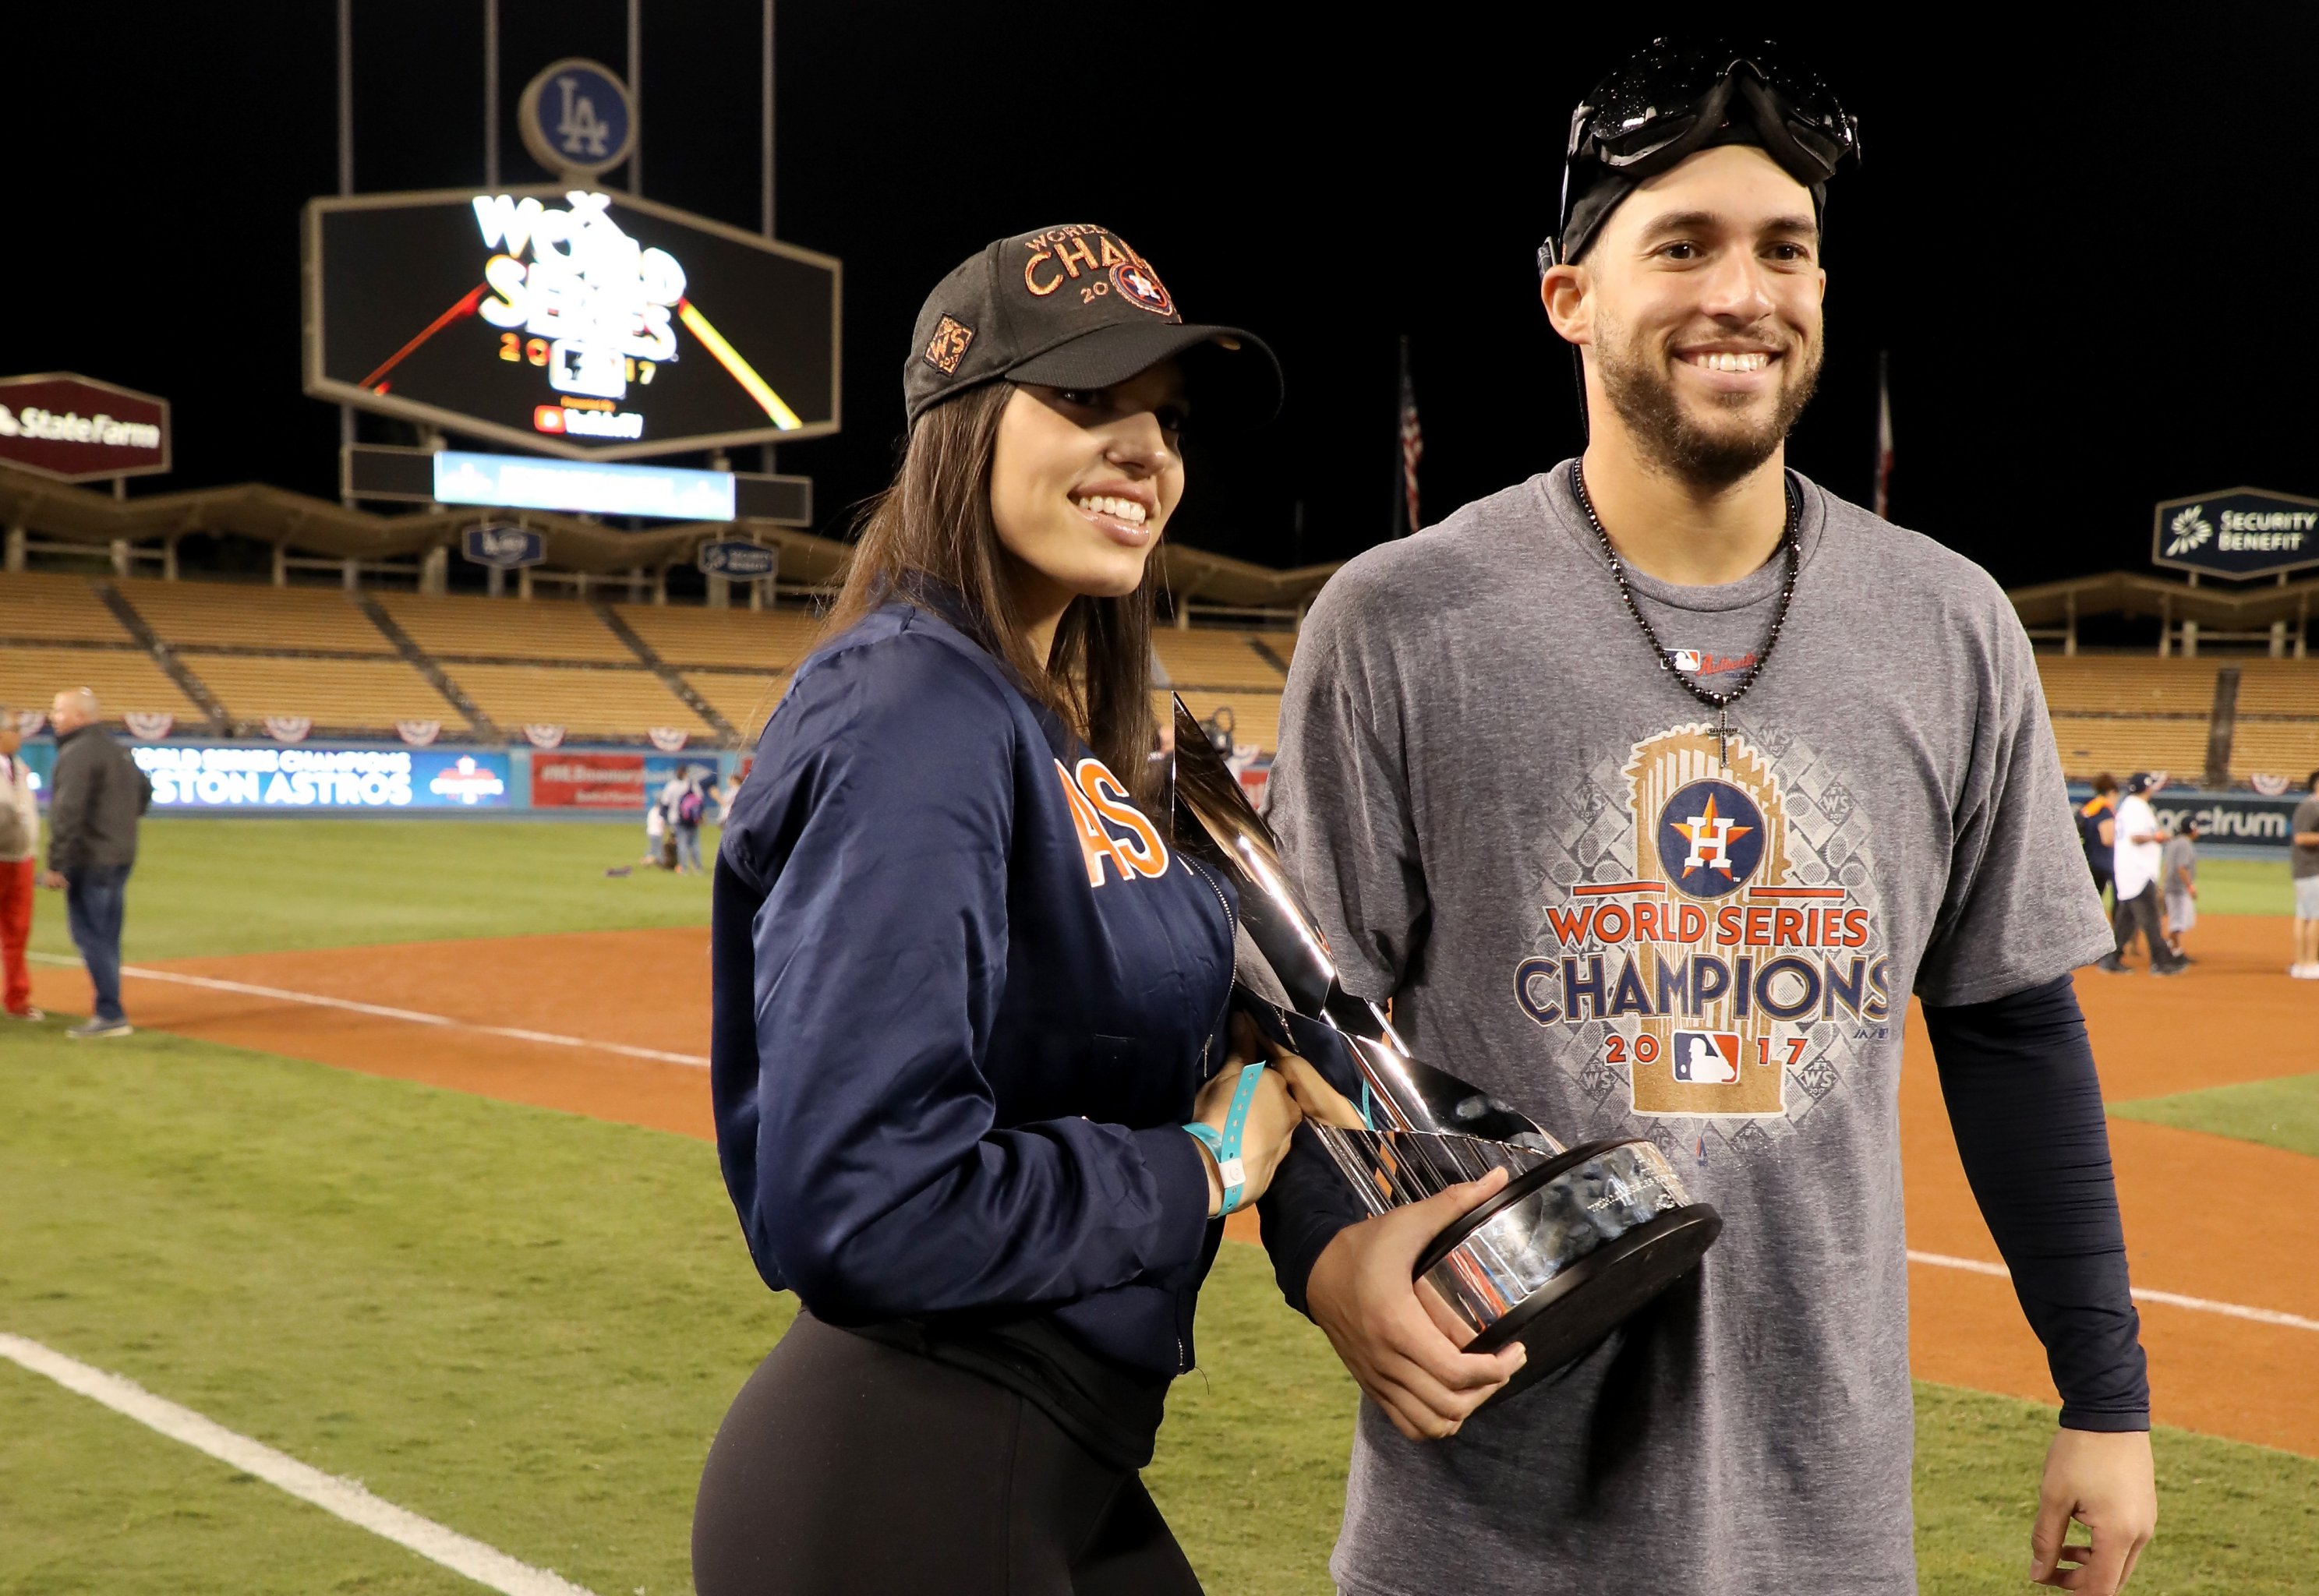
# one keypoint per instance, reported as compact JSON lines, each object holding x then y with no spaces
{"x":1716,"y":964}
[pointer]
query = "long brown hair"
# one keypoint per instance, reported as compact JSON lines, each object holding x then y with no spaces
{"x":933,"y":526}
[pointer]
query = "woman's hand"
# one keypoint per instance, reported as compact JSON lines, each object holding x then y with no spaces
{"x":1272,"y":1114}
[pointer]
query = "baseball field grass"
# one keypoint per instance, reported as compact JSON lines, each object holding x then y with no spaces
{"x":527,"y":1325}
{"x":2282,"y":1113}
{"x":205,"y":887}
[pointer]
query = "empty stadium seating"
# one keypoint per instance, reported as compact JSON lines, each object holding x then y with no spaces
{"x":763,"y":640}
{"x":194,"y":615}
{"x":2128,"y":684}
{"x":2278,"y":729}
{"x":336,"y":695}
{"x":744,"y":701}
{"x":1205,"y":659}
{"x":586,"y":700}
{"x":55,"y":609}
{"x":126,"y":681}
{"x":458,"y":627}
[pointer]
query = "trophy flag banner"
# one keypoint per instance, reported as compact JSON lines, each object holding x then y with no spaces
{"x":145,"y":728}
{"x":2267,"y":785}
{"x":418,"y":734}
{"x":1725,"y":959}
{"x":544,"y":737}
{"x":288,"y":728}
{"x":668,"y":739}
{"x":29,"y":722}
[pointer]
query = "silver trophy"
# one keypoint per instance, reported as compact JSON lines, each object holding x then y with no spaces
{"x":1575,"y":1242}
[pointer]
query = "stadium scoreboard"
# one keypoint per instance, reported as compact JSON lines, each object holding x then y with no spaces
{"x":570,"y":322}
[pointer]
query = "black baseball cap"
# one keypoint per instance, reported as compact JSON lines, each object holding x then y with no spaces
{"x":1075,"y":306}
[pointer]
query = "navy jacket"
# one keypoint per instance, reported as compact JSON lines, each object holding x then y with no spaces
{"x":964,"y":995}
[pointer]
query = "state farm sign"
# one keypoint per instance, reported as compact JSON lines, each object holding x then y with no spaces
{"x":78,"y":429}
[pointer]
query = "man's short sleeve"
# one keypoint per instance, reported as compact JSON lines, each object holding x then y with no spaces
{"x":1337,"y":797}
{"x":2021,"y":907}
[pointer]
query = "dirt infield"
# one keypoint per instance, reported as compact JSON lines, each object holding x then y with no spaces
{"x":2205,"y":1217}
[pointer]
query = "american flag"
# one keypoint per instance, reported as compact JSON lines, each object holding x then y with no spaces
{"x":1883,"y":439}
{"x":1412,"y":441}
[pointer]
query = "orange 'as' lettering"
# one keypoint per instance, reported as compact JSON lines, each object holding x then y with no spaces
{"x":1144,"y":852}
{"x":1094,"y":843}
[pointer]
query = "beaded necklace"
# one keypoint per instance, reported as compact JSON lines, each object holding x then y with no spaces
{"x":1790,"y":539}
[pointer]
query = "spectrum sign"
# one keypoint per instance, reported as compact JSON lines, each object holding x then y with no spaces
{"x":315,"y":776}
{"x":577,"y":322}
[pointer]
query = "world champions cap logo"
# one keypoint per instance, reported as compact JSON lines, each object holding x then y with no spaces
{"x":1710,"y":977}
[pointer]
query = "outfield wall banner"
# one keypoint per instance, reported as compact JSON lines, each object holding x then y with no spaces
{"x":2245,"y":818}
{"x":588,"y":781}
{"x":322,"y":778}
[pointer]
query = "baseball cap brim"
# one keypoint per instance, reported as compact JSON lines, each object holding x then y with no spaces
{"x":1233,"y":376}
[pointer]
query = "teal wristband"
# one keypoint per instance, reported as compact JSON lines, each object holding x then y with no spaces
{"x":1225,"y":1144}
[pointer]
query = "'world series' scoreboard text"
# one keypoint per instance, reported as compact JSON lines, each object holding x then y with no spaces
{"x":569,"y":321}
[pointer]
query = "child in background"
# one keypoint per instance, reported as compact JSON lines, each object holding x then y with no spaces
{"x":655,"y":834}
{"x":2179,"y":870}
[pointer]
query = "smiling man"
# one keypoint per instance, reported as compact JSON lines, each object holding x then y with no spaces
{"x":1647,"y":791}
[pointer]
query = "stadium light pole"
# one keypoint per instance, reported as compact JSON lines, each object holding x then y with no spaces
{"x":766,"y":162}
{"x":637,"y":95}
{"x":345,"y":184}
{"x":491,"y":93}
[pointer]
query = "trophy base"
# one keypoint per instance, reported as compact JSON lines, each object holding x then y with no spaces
{"x":1608,"y":1226}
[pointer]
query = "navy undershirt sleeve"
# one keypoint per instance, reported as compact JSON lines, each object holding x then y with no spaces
{"x":2019,"y":1075}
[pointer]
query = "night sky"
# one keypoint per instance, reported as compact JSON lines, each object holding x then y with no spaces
{"x":2084,"y":254}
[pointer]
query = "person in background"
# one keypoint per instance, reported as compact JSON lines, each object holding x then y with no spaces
{"x":96,"y":797}
{"x":2303,"y":863}
{"x":20,"y":843}
{"x":2136,"y":865}
{"x":655,"y":832}
{"x":2179,"y":870}
{"x":1221,"y":726}
{"x":2097,"y":827}
{"x":686,"y":811}
{"x":671,"y":791}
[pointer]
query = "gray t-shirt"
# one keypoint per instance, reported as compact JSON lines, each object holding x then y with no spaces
{"x":2178,"y":868}
{"x":2304,"y":860}
{"x":1514,"y":824}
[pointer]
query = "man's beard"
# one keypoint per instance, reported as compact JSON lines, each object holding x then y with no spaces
{"x":1642,"y":391}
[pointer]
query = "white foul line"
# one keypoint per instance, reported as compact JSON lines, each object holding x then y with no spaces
{"x":409,"y":1015}
{"x":486,"y":1566}
{"x":2171,"y":1298}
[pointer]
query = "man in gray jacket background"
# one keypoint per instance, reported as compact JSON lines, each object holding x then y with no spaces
{"x":96,"y":797}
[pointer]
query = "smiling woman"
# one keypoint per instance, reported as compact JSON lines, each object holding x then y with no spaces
{"x":977,"y":1100}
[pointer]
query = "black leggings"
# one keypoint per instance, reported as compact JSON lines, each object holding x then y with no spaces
{"x":847,"y":1467}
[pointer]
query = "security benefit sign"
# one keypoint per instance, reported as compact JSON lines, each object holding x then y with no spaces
{"x":2239,"y":532}
{"x":571,"y":321}
{"x":315,"y":776}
